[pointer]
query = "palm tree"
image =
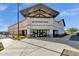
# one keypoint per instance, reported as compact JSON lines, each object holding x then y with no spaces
{"x":72,"y":30}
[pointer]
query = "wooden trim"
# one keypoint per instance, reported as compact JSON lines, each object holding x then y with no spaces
{"x":39,"y":5}
{"x":37,"y":17}
{"x":39,"y":11}
{"x":64,"y":22}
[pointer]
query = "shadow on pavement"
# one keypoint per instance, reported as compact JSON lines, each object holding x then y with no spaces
{"x":68,"y":40}
{"x":74,"y":38}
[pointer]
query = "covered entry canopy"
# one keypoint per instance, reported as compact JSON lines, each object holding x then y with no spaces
{"x":41,"y":9}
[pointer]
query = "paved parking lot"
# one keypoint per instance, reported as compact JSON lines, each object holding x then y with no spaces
{"x":35,"y":47}
{"x":74,"y":38}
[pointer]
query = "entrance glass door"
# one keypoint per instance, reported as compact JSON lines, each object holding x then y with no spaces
{"x":34,"y":33}
{"x":55,"y":32}
{"x":39,"y":33}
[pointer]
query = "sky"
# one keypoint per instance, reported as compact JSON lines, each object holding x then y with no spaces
{"x":68,"y":11}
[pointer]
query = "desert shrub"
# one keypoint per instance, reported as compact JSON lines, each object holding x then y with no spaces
{"x":1,"y":46}
{"x":20,"y":37}
{"x":71,"y":30}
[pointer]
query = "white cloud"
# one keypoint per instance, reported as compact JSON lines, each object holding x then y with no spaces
{"x":1,"y":20}
{"x":27,"y":4}
{"x":70,"y":12}
{"x":3,"y":7}
{"x":3,"y":25}
{"x":4,"y":29}
{"x":24,"y":5}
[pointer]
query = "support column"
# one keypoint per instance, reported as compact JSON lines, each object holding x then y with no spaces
{"x":25,"y":32}
{"x":28,"y":32}
{"x":51,"y":33}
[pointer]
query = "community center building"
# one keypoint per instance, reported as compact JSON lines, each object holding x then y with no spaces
{"x":39,"y":22}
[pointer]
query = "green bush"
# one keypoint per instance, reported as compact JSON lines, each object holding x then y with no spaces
{"x":71,"y":31}
{"x":1,"y":46}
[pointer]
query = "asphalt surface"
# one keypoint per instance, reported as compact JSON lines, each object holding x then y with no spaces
{"x":37,"y":47}
{"x":74,"y":38}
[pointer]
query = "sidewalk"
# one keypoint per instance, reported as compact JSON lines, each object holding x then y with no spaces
{"x":35,"y":47}
{"x":18,"y":48}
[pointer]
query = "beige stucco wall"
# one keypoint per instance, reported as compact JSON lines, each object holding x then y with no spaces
{"x":28,"y":24}
{"x":35,"y":25}
{"x":29,"y":21}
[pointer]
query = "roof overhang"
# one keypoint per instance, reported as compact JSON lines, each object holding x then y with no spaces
{"x":27,"y":11}
{"x":63,"y":22}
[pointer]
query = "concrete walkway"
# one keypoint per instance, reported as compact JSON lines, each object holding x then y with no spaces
{"x":36,"y":47}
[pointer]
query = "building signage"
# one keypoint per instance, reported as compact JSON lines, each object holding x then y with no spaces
{"x":39,"y":21}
